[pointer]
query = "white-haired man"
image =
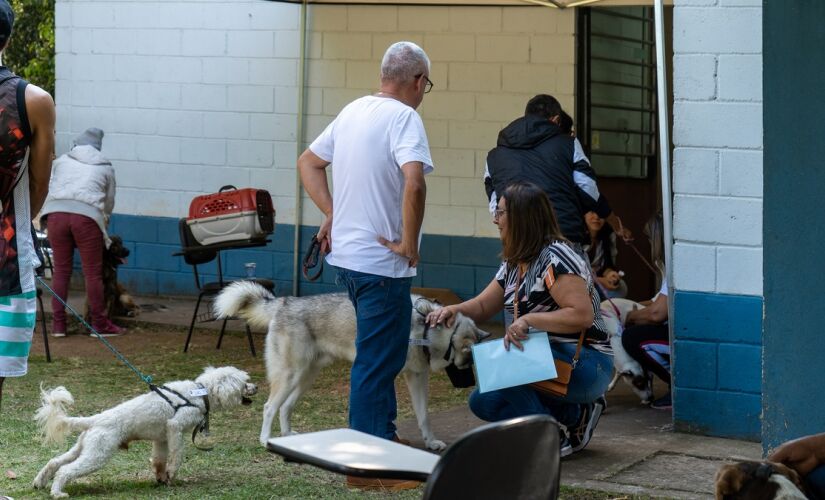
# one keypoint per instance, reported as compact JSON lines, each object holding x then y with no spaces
{"x":379,"y":152}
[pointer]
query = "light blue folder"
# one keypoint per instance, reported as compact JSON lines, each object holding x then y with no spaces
{"x":499,"y":369}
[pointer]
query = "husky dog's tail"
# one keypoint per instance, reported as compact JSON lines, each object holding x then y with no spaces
{"x":246,"y":300}
{"x":52,"y":419}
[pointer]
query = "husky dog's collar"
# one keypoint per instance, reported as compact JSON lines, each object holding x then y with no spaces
{"x":203,"y":426}
{"x":426,"y":344}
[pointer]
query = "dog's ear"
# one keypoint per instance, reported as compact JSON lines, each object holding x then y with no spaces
{"x":729,"y":480}
{"x":424,"y":306}
{"x":481,"y":334}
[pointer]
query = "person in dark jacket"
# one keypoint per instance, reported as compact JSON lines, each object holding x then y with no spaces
{"x":535,"y":149}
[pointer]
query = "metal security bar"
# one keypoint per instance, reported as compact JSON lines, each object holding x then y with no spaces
{"x":616,"y":101}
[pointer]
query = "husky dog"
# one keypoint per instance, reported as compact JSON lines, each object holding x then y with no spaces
{"x":758,"y":481}
{"x":614,"y":314}
{"x":165,"y":417}
{"x":307,"y":333}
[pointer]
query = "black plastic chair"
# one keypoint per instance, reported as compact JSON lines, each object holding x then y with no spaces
{"x":196,"y":254}
{"x":513,"y":459}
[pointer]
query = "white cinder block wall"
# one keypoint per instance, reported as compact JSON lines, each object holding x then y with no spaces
{"x":717,"y":161}
{"x":192,"y":95}
{"x":197,"y":94}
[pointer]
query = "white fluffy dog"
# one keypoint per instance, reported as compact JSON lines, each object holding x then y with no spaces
{"x":614,"y":313}
{"x":165,"y":420}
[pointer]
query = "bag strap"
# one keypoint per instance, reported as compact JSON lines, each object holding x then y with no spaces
{"x":515,"y":315}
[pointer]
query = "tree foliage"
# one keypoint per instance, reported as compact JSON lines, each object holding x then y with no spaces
{"x":30,"y":53}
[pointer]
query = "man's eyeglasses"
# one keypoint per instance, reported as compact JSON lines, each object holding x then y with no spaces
{"x":429,"y":85}
{"x":499,"y":212}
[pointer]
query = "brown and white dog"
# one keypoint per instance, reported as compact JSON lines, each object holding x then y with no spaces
{"x":614,"y":313}
{"x":758,"y":481}
{"x":118,"y":302}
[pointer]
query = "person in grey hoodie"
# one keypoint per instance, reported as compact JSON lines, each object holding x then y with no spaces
{"x":80,"y":201}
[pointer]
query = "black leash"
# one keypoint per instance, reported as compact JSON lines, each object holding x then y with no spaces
{"x":311,"y":259}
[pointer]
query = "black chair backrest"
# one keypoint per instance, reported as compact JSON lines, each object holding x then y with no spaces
{"x":193,"y":255}
{"x":513,"y":459}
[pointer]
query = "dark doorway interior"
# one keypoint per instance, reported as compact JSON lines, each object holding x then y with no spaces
{"x":616,"y":122}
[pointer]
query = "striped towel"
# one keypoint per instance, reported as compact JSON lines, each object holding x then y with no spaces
{"x":17,"y":318}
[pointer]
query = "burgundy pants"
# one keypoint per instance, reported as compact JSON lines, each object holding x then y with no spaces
{"x":66,"y":232}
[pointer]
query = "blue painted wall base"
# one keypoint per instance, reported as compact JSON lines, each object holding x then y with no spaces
{"x":717,"y":354}
{"x":462,"y":264}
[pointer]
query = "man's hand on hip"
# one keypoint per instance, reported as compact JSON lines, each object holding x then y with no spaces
{"x":401,"y":249}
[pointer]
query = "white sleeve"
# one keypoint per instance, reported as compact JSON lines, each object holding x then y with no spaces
{"x":324,"y":145}
{"x":663,"y":289}
{"x":493,"y":203}
{"x":409,"y":141}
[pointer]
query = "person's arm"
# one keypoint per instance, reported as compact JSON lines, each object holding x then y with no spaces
{"x":654,"y":314}
{"x":616,"y":223}
{"x":312,"y":169}
{"x":111,"y":186}
{"x":803,"y":454}
{"x":575,"y":312}
{"x":412,"y":212}
{"x":40,"y":109}
{"x":480,"y":308}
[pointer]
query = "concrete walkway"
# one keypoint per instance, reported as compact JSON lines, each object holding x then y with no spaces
{"x":634,"y":449}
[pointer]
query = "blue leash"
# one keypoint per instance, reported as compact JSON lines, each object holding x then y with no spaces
{"x":145,"y":378}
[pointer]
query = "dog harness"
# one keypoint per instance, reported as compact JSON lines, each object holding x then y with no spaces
{"x":203,"y":426}
{"x":425,"y":343}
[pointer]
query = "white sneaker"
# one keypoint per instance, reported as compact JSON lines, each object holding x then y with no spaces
{"x":58,"y":335}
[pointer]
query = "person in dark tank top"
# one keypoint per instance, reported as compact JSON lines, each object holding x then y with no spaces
{"x":27,"y":118}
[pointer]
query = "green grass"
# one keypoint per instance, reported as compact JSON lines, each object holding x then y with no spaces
{"x":238,"y":467}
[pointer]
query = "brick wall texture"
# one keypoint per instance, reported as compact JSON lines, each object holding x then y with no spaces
{"x":717,"y":133}
{"x":201,"y":93}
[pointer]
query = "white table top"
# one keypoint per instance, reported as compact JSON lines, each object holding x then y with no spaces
{"x":352,"y":452}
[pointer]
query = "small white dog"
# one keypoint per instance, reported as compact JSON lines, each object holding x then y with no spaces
{"x":165,"y":417}
{"x":614,"y":313}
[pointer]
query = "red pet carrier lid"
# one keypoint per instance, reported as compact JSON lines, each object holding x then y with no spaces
{"x":227,"y":201}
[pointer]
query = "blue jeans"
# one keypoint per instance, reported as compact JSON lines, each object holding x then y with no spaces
{"x":383,"y":311}
{"x":589,"y":380}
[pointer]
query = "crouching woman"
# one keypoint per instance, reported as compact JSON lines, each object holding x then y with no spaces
{"x":552,"y":289}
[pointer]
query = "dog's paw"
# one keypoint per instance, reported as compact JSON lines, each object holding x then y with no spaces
{"x":289,"y":433}
{"x":60,"y":494}
{"x":39,"y":483}
{"x":163,"y":478}
{"x":435,"y":444}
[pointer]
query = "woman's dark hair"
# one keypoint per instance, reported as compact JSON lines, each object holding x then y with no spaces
{"x":531,"y":223}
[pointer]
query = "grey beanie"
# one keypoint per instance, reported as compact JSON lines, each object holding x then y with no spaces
{"x":92,"y":137}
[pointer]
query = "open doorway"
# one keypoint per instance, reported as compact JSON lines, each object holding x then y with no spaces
{"x":617,"y":121}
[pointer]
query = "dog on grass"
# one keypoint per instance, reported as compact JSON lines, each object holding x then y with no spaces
{"x":614,"y":313}
{"x":307,"y":333}
{"x":166,"y":417}
{"x":758,"y":481}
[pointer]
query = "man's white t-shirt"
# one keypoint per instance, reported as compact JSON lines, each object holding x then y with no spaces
{"x":367,"y":144}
